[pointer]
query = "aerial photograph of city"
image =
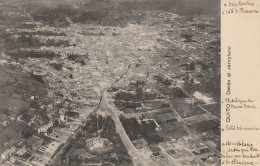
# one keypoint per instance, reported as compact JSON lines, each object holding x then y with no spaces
{"x":110,"y":83}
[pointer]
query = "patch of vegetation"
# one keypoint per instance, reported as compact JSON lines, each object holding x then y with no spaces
{"x":163,"y":81}
{"x":78,"y":58}
{"x":187,"y":37}
{"x":22,"y":41}
{"x":146,"y":130}
{"x":201,"y":25}
{"x":208,"y":84}
{"x":27,"y":133}
{"x":55,"y":43}
{"x":53,"y":16}
{"x":43,"y":33}
{"x":76,"y":152}
{"x":56,"y":66}
{"x":18,"y":54}
{"x":37,"y":78}
{"x":72,"y":114}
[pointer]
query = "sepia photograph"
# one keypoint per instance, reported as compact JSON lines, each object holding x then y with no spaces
{"x":110,"y":83}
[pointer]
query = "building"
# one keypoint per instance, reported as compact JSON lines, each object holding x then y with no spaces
{"x":21,"y":151}
{"x":5,"y":123}
{"x":52,"y":147}
{"x":13,"y":160}
{"x":6,"y":154}
{"x":32,"y":98}
{"x":98,"y":144}
{"x":45,"y":128}
{"x":64,"y":118}
{"x":156,"y":150}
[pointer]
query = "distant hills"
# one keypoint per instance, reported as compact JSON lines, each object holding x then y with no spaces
{"x":115,"y":12}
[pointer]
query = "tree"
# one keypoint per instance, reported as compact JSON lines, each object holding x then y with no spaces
{"x":139,"y":93}
{"x":27,"y":133}
{"x":6,"y":112}
{"x":204,"y":66}
{"x":192,"y":66}
{"x":82,"y":62}
{"x":178,"y":93}
{"x":56,"y":123}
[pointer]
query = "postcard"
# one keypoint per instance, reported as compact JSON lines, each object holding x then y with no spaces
{"x":129,"y":82}
{"x":240,"y":63}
